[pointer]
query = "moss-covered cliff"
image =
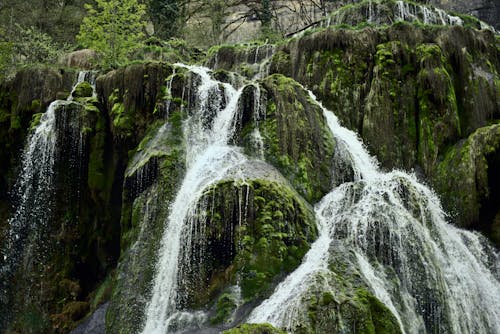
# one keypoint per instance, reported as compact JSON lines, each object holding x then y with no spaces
{"x":410,"y":90}
{"x":422,"y":97}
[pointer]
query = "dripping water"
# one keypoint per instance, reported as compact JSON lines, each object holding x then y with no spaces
{"x":208,"y":158}
{"x":34,"y":189}
{"x":429,"y":274}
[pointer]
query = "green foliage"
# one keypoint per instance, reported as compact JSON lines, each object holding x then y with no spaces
{"x":58,"y":19}
{"x":226,"y":304}
{"x":166,"y":16}
{"x":5,"y":58}
{"x":114,"y":29}
{"x":32,"y":46}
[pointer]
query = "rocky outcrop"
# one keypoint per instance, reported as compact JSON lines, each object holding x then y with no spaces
{"x":82,"y":59}
{"x":409,"y":91}
{"x":486,"y":10}
{"x":468,"y":181}
{"x":295,"y":137}
{"x":27,"y":94}
{"x":422,"y":97}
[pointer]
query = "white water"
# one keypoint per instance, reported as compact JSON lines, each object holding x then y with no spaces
{"x":431,"y":275}
{"x":258,"y":115}
{"x":35,"y":183}
{"x":209,"y":158}
{"x":412,"y":12}
{"x":36,"y":178}
{"x":34,"y":188}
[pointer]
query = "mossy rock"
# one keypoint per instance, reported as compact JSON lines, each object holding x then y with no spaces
{"x":389,"y":124}
{"x":254,"y":329}
{"x":468,"y":182}
{"x":255,"y":231}
{"x":132,"y":96}
{"x":84,"y":89}
{"x":241,"y":58}
{"x":338,"y":300}
{"x":226,"y":305}
{"x":410,"y":91}
{"x":296,"y":138}
{"x":156,"y":167}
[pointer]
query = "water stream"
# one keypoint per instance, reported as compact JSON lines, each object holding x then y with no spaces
{"x":208,"y":158}
{"x":434,"y":277}
{"x":35,"y":188}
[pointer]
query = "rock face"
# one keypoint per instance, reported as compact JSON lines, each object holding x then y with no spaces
{"x":82,"y":59}
{"x":95,"y":324}
{"x":409,"y":91}
{"x":473,"y":184}
{"x":486,"y":10}
{"x":422,"y":97}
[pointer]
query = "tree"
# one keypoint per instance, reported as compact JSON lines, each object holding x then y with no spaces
{"x":165,"y":15}
{"x":31,"y":46}
{"x":5,"y":57}
{"x":59,"y":19}
{"x":114,"y":29}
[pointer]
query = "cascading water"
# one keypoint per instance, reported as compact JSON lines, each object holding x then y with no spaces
{"x":208,"y":158}
{"x":432,"y":276}
{"x":35,"y":190}
{"x":258,"y":115}
{"x":406,"y":11}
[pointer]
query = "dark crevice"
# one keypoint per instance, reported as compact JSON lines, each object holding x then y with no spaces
{"x":417,"y":128}
{"x":490,"y":205}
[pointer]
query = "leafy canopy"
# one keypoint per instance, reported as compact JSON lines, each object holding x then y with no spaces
{"x":114,"y":29}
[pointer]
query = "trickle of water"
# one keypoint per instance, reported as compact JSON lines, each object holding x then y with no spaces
{"x":256,"y":59}
{"x":265,"y":64}
{"x":258,"y":115}
{"x":34,"y":188}
{"x":169,"y":91}
{"x":209,"y":157}
{"x":90,"y":77}
{"x":430,"y":275}
{"x":406,"y":11}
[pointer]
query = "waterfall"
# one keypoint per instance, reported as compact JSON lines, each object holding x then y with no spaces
{"x":433,"y":277}
{"x":35,"y":189}
{"x":258,"y":114}
{"x":208,"y":157}
{"x":406,"y":11}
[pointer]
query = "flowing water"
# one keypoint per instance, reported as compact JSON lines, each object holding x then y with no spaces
{"x":208,"y":158}
{"x":406,"y":11}
{"x":434,"y":277}
{"x":35,"y":188}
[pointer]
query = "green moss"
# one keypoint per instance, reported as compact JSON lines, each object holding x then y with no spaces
{"x":378,"y":318}
{"x":99,"y":179}
{"x":226,"y":304}
{"x":296,"y":138}
{"x":83,"y":89}
{"x":122,"y":121}
{"x":466,"y":190}
{"x":103,"y":292}
{"x":275,"y":236}
{"x":35,"y":121}
{"x":280,"y":63}
{"x":15,"y":122}
{"x":254,"y":329}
